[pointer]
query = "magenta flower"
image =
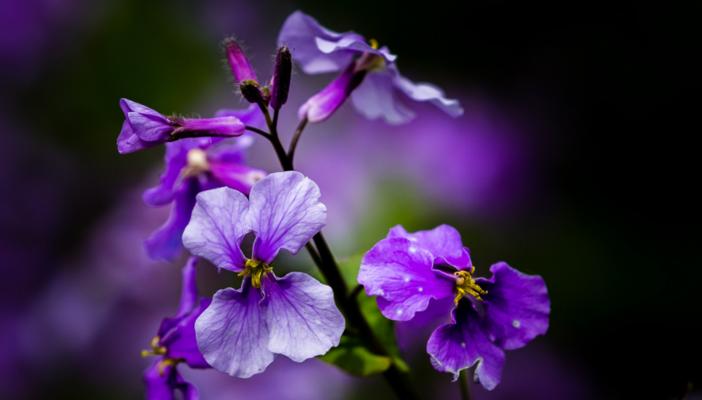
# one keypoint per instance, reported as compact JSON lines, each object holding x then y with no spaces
{"x":320,"y":50}
{"x":242,"y":330}
{"x":175,"y":344}
{"x":144,"y":127}
{"x":194,"y":165}
{"x":407,"y":270}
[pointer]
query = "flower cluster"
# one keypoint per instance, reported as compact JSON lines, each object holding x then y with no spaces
{"x":239,"y":218}
{"x":408,"y":270}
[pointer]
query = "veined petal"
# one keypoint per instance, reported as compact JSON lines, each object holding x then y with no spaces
{"x":165,"y":243}
{"x":303,"y":320}
{"x":375,"y":99}
{"x":517,"y":306}
{"x":428,"y":92}
{"x":443,"y":242}
{"x":463,"y":343}
{"x":284,"y":212}
{"x":401,"y":275}
{"x":232,"y":332}
{"x":301,"y":33}
{"x":217,"y":226}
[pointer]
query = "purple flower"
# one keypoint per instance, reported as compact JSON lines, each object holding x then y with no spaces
{"x":175,"y":343}
{"x":194,"y":165}
{"x":407,"y":270}
{"x":242,"y":330}
{"x":320,"y":50}
{"x":144,"y":127}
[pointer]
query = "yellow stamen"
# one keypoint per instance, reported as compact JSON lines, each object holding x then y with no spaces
{"x":165,"y":363}
{"x":156,"y":348}
{"x":374,"y":44}
{"x":256,"y":270}
{"x":465,"y":285}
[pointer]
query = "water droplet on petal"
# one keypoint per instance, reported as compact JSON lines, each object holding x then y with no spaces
{"x":516,"y":324}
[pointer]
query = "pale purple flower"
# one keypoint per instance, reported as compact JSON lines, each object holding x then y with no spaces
{"x":144,"y":127}
{"x":242,"y":330}
{"x":175,"y":344}
{"x":408,"y":270}
{"x":320,"y":50}
{"x":194,"y":165}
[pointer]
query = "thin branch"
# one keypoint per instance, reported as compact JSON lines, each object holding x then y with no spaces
{"x":259,"y":131}
{"x":296,"y":138}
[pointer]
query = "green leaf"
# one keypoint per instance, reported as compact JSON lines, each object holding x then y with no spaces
{"x":351,"y":355}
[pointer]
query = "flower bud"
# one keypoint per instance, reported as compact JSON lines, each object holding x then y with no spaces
{"x":280,"y":82}
{"x":238,"y":63}
{"x":253,"y":92}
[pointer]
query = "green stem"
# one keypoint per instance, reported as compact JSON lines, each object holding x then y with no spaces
{"x":323,"y":257}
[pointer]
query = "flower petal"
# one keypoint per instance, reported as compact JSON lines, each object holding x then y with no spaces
{"x":304,"y":36}
{"x":323,"y":104}
{"x":150,"y":128}
{"x":250,"y":116}
{"x":302,"y":318}
{"x":180,"y":340}
{"x":463,"y":343}
{"x":162,"y":382}
{"x":284,"y":212}
{"x":217,"y":226}
{"x":443,"y":242}
{"x":165,"y":243}
{"x":517,"y":306}
{"x":427,"y":92}
{"x":237,"y":176}
{"x":401,"y":275}
{"x":375,"y":98}
{"x":232,"y":333}
{"x":175,"y":160}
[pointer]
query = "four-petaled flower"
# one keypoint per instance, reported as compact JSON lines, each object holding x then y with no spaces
{"x":194,"y":165}
{"x":242,"y":330}
{"x":407,"y":270}
{"x":370,"y":74}
{"x":175,"y":344}
{"x":144,"y":127}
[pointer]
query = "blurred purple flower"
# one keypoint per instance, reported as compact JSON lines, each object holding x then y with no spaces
{"x":241,"y":330}
{"x":144,"y":127}
{"x":320,"y":50}
{"x":194,"y":165}
{"x":175,"y":343}
{"x":407,"y":270}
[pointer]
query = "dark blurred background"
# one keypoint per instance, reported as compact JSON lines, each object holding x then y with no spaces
{"x":596,"y":192}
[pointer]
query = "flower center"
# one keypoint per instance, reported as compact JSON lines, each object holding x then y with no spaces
{"x":156,"y":348}
{"x":256,"y":270}
{"x":196,"y":162}
{"x":465,"y":285}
